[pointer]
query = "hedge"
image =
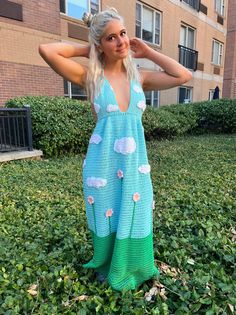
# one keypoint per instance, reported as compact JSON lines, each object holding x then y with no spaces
{"x":62,"y":126}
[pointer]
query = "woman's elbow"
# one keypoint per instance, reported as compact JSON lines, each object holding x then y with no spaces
{"x":187,"y":76}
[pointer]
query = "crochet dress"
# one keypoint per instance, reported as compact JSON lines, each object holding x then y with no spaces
{"x":118,"y":191}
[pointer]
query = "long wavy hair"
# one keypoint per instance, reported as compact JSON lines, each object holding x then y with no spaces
{"x":95,"y":74}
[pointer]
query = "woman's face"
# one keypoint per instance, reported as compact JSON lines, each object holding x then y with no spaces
{"x":115,"y":42}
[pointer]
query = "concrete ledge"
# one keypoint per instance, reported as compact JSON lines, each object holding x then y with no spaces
{"x":18,"y":155}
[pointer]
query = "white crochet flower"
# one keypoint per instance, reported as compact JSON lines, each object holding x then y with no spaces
{"x":95,"y":138}
{"x":96,"y":182}
{"x":97,"y":108}
{"x":112,"y":108}
{"x":145,"y":168}
{"x":137,"y":89}
{"x":125,"y":145}
{"x":141,"y":105}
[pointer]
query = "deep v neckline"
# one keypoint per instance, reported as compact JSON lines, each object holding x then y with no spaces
{"x":114,"y":94}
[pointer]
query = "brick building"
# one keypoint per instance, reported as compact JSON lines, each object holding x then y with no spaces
{"x":190,"y":31}
{"x":229,"y":85}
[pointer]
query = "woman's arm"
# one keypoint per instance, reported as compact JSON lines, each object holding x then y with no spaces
{"x":58,"y":55}
{"x":173,"y":74}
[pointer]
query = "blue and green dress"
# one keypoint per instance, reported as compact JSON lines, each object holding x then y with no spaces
{"x":118,"y":191}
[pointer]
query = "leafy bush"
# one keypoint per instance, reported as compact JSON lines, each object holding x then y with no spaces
{"x":60,"y":125}
{"x":216,"y":116}
{"x":45,"y":240}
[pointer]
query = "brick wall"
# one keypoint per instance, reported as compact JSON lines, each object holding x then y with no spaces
{"x":40,"y":15}
{"x":20,"y":80}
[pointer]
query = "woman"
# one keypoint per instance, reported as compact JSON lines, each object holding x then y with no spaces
{"x":116,"y":174}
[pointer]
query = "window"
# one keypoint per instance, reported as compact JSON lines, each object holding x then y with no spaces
{"x":76,"y":8}
{"x":193,"y":3}
{"x":220,"y":7}
{"x":217,"y":53}
{"x":152,"y":98}
{"x":74,"y":91}
{"x":148,"y":24}
{"x":187,"y":36}
{"x":210,"y":95}
{"x":185,"y":94}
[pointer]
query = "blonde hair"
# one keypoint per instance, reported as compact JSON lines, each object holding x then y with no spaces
{"x":95,"y":74}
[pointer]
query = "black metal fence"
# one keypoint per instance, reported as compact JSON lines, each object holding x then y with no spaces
{"x":15,"y":129}
{"x":188,"y":57}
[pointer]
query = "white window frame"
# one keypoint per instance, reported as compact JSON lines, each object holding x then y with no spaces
{"x":210,"y":95}
{"x":220,"y":7}
{"x":142,"y":6}
{"x":74,"y":96}
{"x":88,"y":3}
{"x":219,"y":60}
{"x":187,"y":27}
{"x":152,"y":98}
{"x":190,"y":99}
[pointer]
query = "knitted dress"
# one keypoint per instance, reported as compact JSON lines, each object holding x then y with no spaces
{"x":118,"y":191}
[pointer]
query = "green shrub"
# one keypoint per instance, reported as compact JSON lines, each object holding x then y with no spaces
{"x":168,"y":121}
{"x":216,"y":116}
{"x":60,"y":125}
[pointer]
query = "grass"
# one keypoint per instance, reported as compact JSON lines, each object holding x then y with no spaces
{"x":44,"y":238}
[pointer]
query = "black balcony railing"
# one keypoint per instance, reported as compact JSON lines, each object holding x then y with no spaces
{"x":193,"y":3}
{"x":188,"y":57}
{"x":15,"y":129}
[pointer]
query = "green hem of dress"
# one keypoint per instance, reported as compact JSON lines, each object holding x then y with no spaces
{"x":126,"y":263}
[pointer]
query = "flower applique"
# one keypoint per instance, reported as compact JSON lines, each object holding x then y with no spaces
{"x":144,"y":169}
{"x":109,"y":213}
{"x":96,"y":182}
{"x":112,"y":108}
{"x":120,"y":174}
{"x":137,"y":89}
{"x":90,"y":200}
{"x":125,"y":145}
{"x":136,"y":198}
{"x":141,"y":105}
{"x":95,"y":138}
{"x":97,"y":108}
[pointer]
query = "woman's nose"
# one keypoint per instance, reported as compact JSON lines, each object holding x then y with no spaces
{"x":119,"y":40}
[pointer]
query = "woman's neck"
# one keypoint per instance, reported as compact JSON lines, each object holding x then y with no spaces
{"x":114,"y":68}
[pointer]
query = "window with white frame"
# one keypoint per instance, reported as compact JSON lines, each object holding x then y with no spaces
{"x":217,"y":52}
{"x":148,"y":24}
{"x":74,"y":91}
{"x":152,"y":98}
{"x":185,"y":94}
{"x":187,"y":36}
{"x":76,"y":8}
{"x":220,"y":7}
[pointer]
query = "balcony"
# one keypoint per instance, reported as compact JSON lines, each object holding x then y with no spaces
{"x":195,"y":4}
{"x":188,"y":57}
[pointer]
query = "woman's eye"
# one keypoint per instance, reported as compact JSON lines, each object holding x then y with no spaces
{"x":111,"y":38}
{"x":123,"y":33}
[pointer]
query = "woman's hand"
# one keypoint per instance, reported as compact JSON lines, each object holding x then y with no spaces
{"x":139,"y":48}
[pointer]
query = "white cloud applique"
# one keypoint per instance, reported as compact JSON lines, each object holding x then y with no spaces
{"x":145,"y":168}
{"x":97,"y":108}
{"x":125,"y":145}
{"x":95,"y":138}
{"x":112,"y":108}
{"x":138,"y":89}
{"x":96,"y":182}
{"x":141,"y":105}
